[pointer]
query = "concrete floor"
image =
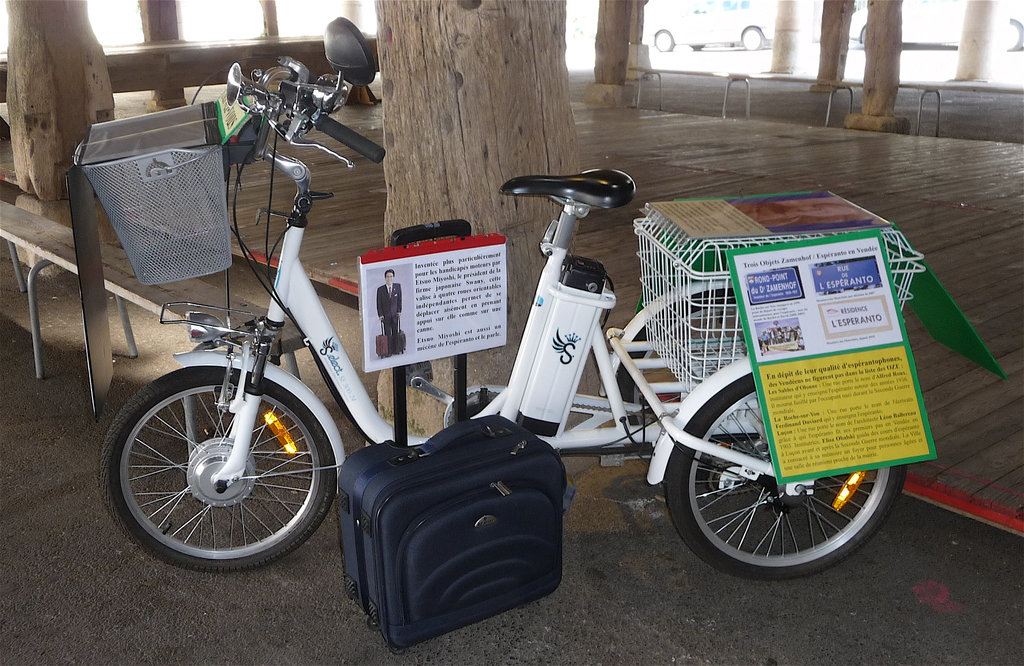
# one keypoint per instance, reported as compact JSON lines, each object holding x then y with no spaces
{"x":932,"y":587}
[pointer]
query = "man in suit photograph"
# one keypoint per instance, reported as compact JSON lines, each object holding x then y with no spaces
{"x":389,"y":309}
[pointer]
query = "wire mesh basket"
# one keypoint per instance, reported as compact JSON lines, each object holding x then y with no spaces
{"x":169,"y":210}
{"x":160,"y":178}
{"x":695,"y":323}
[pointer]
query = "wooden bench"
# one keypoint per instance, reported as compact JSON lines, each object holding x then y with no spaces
{"x":53,"y":244}
{"x":647,"y":73}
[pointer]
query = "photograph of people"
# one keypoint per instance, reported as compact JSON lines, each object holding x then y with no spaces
{"x":785,"y":335}
{"x":389,"y":310}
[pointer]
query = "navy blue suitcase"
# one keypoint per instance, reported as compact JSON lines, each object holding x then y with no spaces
{"x":460,"y":529}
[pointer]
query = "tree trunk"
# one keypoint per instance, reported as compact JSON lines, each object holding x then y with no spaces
{"x":160,"y":23}
{"x":57,"y":86}
{"x":476,"y":92}
{"x":611,"y":53}
{"x":835,"y":39}
{"x":883,"y":45}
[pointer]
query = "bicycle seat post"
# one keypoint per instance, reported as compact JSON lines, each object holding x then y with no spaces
{"x":561,"y":235}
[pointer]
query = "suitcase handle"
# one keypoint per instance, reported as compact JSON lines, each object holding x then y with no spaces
{"x":492,"y":427}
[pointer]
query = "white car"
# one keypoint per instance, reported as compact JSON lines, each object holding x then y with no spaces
{"x":746,"y":23}
{"x":936,"y":22}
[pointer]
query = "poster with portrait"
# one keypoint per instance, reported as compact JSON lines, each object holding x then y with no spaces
{"x":834,"y":372}
{"x":432,"y":300}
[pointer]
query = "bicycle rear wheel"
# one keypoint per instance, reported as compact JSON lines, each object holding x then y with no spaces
{"x":747,"y":527}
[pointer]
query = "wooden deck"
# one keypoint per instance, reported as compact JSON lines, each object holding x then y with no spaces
{"x":960,"y":202}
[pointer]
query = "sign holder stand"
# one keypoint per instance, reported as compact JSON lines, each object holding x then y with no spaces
{"x":400,"y":374}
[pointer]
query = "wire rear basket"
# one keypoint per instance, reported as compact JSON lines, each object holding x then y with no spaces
{"x":695,"y":324}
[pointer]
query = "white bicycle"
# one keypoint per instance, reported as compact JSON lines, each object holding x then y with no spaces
{"x":230,"y":462}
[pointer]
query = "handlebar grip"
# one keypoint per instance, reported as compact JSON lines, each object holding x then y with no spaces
{"x":357,"y":142}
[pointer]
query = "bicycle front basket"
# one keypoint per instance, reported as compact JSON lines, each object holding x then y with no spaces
{"x":162,"y":186}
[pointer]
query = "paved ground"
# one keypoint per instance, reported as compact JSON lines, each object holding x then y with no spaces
{"x":932,"y":587}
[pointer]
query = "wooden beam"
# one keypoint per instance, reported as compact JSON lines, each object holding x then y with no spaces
{"x":185,"y":64}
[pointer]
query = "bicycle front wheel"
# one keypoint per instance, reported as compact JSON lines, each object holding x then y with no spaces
{"x":157,"y":466}
{"x":751,"y":528}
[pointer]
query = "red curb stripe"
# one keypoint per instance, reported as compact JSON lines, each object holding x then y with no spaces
{"x":262,"y":258}
{"x":954,"y":498}
{"x":347,"y":286}
{"x":343,"y":284}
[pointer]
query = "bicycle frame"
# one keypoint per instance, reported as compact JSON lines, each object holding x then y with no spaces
{"x":295,"y":293}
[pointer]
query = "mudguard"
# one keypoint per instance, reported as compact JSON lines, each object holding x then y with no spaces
{"x":284,"y":379}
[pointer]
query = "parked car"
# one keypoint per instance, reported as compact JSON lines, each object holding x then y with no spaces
{"x":746,"y":23}
{"x":939,"y":22}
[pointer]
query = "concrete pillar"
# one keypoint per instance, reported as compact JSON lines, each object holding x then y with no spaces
{"x":790,"y":18}
{"x":981,"y":40}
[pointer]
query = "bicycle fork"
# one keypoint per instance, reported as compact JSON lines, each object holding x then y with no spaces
{"x":245,"y":404}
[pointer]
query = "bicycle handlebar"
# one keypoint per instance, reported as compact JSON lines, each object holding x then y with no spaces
{"x":369,"y":149}
{"x":298,"y":106}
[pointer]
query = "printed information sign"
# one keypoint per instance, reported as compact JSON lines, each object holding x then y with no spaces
{"x":834,"y":373}
{"x":432,"y":300}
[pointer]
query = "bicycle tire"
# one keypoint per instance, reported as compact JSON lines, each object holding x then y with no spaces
{"x":171,"y":432}
{"x":742,"y":526}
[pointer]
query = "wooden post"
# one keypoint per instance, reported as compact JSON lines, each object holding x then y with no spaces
{"x":981,"y":40}
{"x":612,"y":54}
{"x":475,"y":92}
{"x":639,"y":55}
{"x":835,"y":42}
{"x":57,"y":85}
{"x":883,"y":45}
{"x":270,"y":28}
{"x":160,"y":23}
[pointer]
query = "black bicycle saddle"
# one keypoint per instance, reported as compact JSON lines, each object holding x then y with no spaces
{"x":601,"y":188}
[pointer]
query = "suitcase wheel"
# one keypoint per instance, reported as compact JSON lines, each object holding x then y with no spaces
{"x":373,"y":617}
{"x":351,"y":588}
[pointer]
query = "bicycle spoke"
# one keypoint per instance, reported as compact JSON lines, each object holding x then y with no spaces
{"x":197,"y":519}
{"x":172,"y":498}
{"x":772,"y":532}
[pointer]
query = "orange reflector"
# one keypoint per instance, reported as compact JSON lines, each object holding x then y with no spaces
{"x":280,"y":432}
{"x":847,"y":491}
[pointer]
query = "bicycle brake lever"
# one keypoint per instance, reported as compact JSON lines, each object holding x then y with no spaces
{"x":301,"y":141}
